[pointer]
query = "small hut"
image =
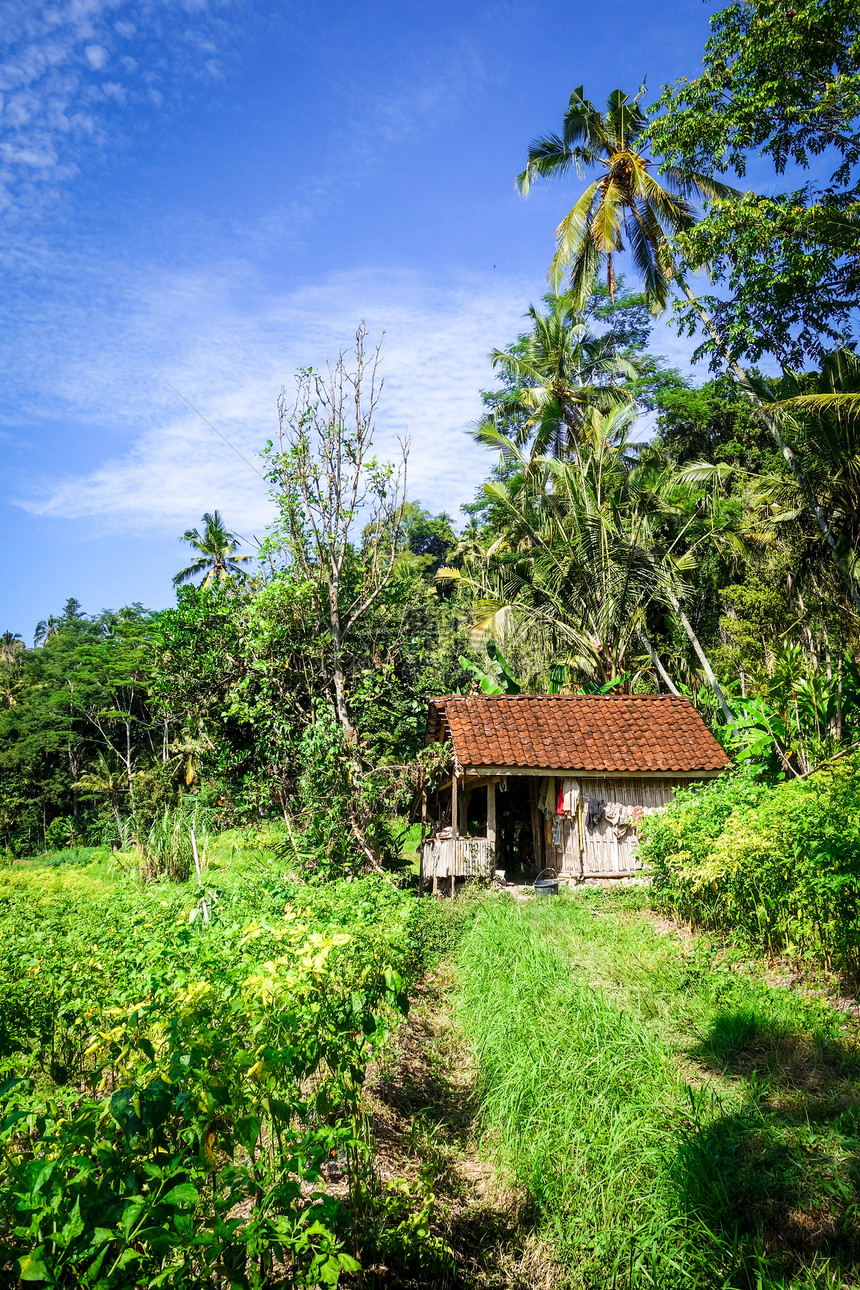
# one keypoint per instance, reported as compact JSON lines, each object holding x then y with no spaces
{"x":543,"y":781}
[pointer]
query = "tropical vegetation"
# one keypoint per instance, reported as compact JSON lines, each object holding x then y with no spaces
{"x":209,"y":941}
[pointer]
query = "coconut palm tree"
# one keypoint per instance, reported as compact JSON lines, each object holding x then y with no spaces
{"x":217,"y":561}
{"x":46,"y":630}
{"x":11,"y":644}
{"x":625,"y":201}
{"x":587,"y":554}
{"x":558,"y":371}
{"x":107,"y":778}
{"x":628,"y":197}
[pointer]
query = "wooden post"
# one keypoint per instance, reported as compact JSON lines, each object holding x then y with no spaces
{"x":455,"y":823}
{"x":204,"y":906}
{"x":536,"y":830}
{"x":491,"y":818}
{"x":421,"y":843}
{"x":581,"y":835}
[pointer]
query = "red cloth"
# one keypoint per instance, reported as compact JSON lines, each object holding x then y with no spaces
{"x":559,"y":810}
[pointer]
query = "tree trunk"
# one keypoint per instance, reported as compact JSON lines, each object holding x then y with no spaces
{"x":338,"y":675}
{"x":128,"y":754}
{"x":807,"y":631}
{"x":771,"y":423}
{"x":703,"y":658}
{"x":667,"y":680}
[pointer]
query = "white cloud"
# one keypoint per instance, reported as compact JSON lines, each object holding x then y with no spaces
{"x":228,"y":350}
{"x":96,"y":56}
{"x":50,"y":65}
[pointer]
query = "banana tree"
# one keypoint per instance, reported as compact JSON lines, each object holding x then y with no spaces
{"x":799,"y":717}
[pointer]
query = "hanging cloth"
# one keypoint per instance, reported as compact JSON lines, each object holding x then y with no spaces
{"x":618,"y":817}
{"x":556,"y":831}
{"x":570,"y":796}
{"x":547,"y":798}
{"x":596,"y":807}
{"x":559,"y":806}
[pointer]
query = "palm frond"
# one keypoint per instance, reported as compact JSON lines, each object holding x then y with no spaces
{"x":706,"y":472}
{"x":547,"y":156}
{"x":571,"y":237}
{"x":819,"y":403}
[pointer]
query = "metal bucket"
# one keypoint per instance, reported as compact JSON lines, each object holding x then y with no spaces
{"x":546,"y":886}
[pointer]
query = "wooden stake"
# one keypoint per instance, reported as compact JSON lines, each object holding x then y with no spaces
{"x":491,"y":818}
{"x":421,"y":843}
{"x":203,"y":904}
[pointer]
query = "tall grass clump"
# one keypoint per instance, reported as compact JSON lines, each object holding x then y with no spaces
{"x":584,"y":1104}
{"x":778,"y":864}
{"x":163,"y":846}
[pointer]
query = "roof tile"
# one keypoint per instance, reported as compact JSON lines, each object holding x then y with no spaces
{"x":620,"y":733}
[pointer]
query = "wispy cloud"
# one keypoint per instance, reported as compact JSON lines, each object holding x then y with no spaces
{"x":203,"y":336}
{"x":65,"y":68}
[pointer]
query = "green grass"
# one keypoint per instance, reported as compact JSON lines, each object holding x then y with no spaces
{"x":675,"y":1124}
{"x":410,"y":848}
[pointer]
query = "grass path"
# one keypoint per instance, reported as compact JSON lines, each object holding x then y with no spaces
{"x":672,"y":1120}
{"x":426,"y":1149}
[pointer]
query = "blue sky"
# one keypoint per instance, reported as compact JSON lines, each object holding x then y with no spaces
{"x":208,"y":194}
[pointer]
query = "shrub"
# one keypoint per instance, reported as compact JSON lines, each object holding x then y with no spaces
{"x":779,"y":864}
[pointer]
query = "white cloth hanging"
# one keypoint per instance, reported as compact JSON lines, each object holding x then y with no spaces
{"x":618,"y":818}
{"x":570,"y":795}
{"x":547,"y":798}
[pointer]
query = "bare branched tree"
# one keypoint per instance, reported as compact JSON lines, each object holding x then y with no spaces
{"x":340,"y":507}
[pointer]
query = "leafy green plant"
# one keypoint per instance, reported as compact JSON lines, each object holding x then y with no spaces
{"x":171,"y":1093}
{"x":778,"y":863}
{"x":498,"y":679}
{"x":798,"y":718}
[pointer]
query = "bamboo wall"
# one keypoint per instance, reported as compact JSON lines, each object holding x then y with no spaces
{"x":597,"y":852}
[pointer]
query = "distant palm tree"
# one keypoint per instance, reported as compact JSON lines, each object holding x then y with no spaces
{"x":625,"y":198}
{"x":46,"y":630}
{"x":11,"y":644}
{"x":109,"y":778}
{"x":217,"y":561}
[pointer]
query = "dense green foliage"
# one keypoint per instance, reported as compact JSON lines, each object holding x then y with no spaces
{"x":658,"y":1105}
{"x":116,"y":716}
{"x":779,"y":864}
{"x":783,"y":82}
{"x":173,"y":1093}
{"x":716,"y":558}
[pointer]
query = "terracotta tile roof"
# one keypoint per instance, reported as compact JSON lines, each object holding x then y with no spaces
{"x":621,"y":733}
